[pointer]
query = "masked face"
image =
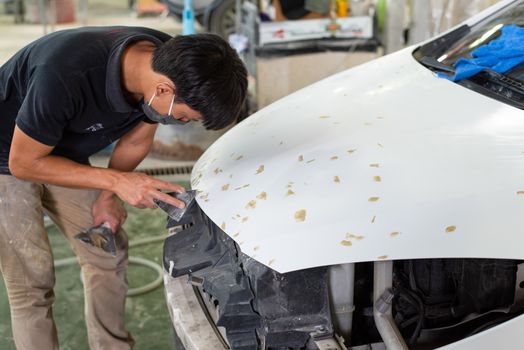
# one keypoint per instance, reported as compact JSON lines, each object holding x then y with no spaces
{"x":166,"y":119}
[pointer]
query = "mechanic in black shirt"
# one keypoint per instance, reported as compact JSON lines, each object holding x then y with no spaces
{"x":63,"y":98}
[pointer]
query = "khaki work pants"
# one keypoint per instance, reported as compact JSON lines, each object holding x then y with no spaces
{"x":26,"y":263}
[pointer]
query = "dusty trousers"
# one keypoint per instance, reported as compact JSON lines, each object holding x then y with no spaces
{"x":26,"y":263}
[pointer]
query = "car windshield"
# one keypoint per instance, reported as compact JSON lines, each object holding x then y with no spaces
{"x":483,"y":32}
{"x":442,"y":53}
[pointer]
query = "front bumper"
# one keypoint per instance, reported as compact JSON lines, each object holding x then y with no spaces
{"x":189,"y":320}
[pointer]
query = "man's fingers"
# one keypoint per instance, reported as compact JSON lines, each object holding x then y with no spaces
{"x":113,"y":225}
{"x":98,"y":221}
{"x":169,"y":186}
{"x":169,"y":200}
{"x":162,"y":185}
{"x":123,"y":219}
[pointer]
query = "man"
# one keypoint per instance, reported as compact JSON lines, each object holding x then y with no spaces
{"x":63,"y":98}
{"x":301,"y":9}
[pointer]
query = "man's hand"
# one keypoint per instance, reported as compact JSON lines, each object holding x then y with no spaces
{"x":139,"y":190}
{"x":108,"y":209}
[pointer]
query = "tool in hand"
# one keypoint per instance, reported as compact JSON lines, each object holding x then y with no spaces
{"x":100,"y":236}
{"x":173,"y":212}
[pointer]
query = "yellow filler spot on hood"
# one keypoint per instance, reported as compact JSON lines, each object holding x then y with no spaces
{"x":353,"y":236}
{"x":346,"y":243}
{"x":252,"y":204}
{"x":300,"y":215}
{"x":451,"y":229}
{"x":262,"y":196}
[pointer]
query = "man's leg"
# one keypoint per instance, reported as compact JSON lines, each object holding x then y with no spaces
{"x":26,"y":262}
{"x":105,"y":283}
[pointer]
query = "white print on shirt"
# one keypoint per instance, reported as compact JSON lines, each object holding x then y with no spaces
{"x":95,"y":127}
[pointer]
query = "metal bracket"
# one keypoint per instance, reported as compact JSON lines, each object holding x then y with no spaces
{"x":519,"y":285}
{"x":327,"y":341}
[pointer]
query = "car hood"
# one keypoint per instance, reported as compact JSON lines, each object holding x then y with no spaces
{"x":382,"y":161}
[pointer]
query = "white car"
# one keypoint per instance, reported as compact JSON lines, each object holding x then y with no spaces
{"x":382,"y":207}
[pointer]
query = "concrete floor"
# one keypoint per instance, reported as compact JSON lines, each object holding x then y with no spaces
{"x":147,"y":316}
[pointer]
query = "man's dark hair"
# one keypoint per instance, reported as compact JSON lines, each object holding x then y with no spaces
{"x":208,"y":75}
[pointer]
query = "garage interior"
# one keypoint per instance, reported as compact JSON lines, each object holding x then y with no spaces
{"x":279,"y":63}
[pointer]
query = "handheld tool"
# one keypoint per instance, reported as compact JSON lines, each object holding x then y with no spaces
{"x":99,"y":236}
{"x":173,"y":212}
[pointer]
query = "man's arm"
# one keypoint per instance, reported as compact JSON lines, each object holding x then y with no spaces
{"x":133,"y":147}
{"x":129,"y":151}
{"x":31,"y":160}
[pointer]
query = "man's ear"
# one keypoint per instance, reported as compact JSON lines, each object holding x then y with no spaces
{"x":163,"y":88}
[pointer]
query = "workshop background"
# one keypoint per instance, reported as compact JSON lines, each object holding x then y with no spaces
{"x":279,"y":62}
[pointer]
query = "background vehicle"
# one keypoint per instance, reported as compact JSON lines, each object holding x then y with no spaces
{"x":380,"y":207}
{"x":217,"y":16}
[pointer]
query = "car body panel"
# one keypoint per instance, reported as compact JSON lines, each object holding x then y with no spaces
{"x":507,"y":335}
{"x":387,"y":161}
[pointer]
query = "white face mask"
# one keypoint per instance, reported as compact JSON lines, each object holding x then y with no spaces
{"x":166,"y":119}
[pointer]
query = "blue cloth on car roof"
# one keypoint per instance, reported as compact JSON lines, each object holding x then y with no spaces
{"x":499,"y":55}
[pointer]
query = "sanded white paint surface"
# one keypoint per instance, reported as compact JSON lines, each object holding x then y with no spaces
{"x":506,"y":336}
{"x":383,"y":161}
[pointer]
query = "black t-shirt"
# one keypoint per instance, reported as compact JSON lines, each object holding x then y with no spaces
{"x":65,"y":90}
